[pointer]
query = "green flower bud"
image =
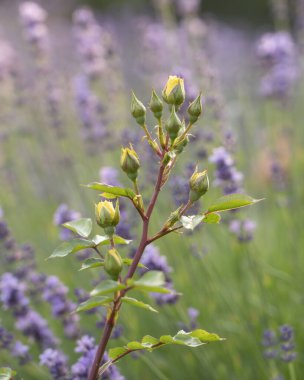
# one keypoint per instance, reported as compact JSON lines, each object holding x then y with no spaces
{"x":174,"y":91}
{"x":106,"y":216}
{"x":195,"y":109}
{"x":199,"y":185}
{"x":173,"y":218}
{"x":129,"y":162}
{"x":173,"y":125}
{"x":138,"y":110}
{"x":113,"y":263}
{"x":181,"y":143}
{"x":156,"y":105}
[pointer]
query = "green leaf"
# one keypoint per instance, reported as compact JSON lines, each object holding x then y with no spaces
{"x":114,"y":190}
{"x":6,"y":373}
{"x":91,"y":263}
{"x":231,"y":202}
{"x":135,"y":302}
{"x":107,"y":286}
{"x":117,"y":351}
{"x":130,"y":261}
{"x":104,"y":240}
{"x":212,"y":218}
{"x":135,"y":346}
{"x":71,"y":246}
{"x":151,"y":281}
{"x":81,"y":227}
{"x":192,"y":221}
{"x":94,"y":302}
{"x":149,"y":343}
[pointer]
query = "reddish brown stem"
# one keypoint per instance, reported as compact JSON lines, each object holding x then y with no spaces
{"x":109,"y":325}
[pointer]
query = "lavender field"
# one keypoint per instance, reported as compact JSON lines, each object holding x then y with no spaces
{"x":107,"y":97}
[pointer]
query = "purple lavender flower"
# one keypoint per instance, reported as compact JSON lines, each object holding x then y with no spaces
{"x":20,"y":351}
{"x":35,"y":327}
{"x":166,"y":298}
{"x":55,"y":293}
{"x":153,"y":260}
{"x":12,"y":293}
{"x":226,"y":174}
{"x":277,"y":54}
{"x":243,"y":229}
{"x":109,"y":175}
{"x":186,"y":7}
{"x":86,"y":346}
{"x":62,"y":215}
{"x":33,"y":18}
{"x":56,"y":362}
{"x":6,"y":338}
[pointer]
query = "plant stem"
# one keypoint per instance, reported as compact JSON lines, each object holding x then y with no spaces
{"x":110,"y":322}
{"x":292,"y":372}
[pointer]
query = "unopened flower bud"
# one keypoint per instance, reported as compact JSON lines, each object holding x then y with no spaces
{"x":181,"y":142}
{"x":129,"y":162}
{"x":156,"y":105}
{"x":106,"y":216}
{"x":195,"y":109}
{"x":113,"y":263}
{"x":174,"y":91}
{"x":173,"y":218}
{"x":173,"y":125}
{"x":138,"y":110}
{"x":199,"y":185}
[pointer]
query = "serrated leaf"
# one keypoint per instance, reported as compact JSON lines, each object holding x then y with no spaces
{"x":108,"y":195}
{"x":94,"y":302}
{"x":192,"y":221}
{"x":81,"y":227}
{"x":135,"y":302}
{"x":101,"y":240}
{"x":135,"y":346}
{"x":107,"y":286}
{"x":149,"y":341}
{"x":115,"y":190}
{"x":231,"y":202}
{"x":212,"y":218}
{"x":91,"y":263}
{"x":116,"y":352}
{"x":205,"y":336}
{"x":71,"y":246}
{"x":130,"y":261}
{"x":6,"y":373}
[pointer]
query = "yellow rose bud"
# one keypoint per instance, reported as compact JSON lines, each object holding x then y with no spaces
{"x":113,"y":263}
{"x":129,"y":162}
{"x":199,"y":185}
{"x":107,"y":216}
{"x":174,"y":91}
